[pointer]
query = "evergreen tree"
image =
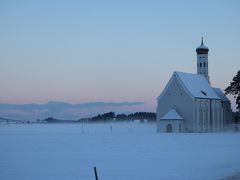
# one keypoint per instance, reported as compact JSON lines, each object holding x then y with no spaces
{"x":103,"y":117}
{"x":234,"y":89}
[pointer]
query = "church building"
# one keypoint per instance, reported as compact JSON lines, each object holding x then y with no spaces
{"x":188,"y":103}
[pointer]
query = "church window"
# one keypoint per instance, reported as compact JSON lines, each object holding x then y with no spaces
{"x":204,"y":64}
{"x":200,"y":64}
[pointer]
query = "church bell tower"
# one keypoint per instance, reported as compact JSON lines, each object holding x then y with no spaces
{"x":202,"y":60}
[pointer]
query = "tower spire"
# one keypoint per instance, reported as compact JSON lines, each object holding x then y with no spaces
{"x":202,"y":41}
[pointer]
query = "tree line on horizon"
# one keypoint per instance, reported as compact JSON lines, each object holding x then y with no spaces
{"x":111,"y":116}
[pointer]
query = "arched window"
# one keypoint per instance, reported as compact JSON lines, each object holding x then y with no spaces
{"x":200,"y":64}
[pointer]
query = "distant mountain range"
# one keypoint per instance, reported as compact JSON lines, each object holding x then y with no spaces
{"x":63,"y":110}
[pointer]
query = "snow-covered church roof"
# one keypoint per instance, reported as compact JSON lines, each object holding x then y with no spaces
{"x":172,"y":115}
{"x":197,"y":85}
{"x":221,"y":94}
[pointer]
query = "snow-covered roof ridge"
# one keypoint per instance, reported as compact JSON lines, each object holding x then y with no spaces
{"x":197,"y":85}
{"x":173,"y":115}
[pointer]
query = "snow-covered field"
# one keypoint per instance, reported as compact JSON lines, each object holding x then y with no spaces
{"x":132,"y":151}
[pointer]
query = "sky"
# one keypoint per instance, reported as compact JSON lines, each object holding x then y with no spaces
{"x":111,"y":51}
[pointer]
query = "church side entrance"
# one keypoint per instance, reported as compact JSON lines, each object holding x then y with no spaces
{"x":169,"y":128}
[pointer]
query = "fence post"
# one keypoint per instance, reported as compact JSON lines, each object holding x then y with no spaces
{"x":95,"y":172}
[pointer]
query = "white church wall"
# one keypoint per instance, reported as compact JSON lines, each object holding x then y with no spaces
{"x":202,"y":118}
{"x":227,"y":113}
{"x":214,"y":116}
{"x":176,"y":97}
{"x":208,"y":119}
{"x":217,"y":116}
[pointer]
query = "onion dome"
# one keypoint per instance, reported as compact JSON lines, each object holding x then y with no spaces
{"x":202,"y":49}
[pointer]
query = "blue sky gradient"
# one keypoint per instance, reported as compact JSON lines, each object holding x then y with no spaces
{"x":85,"y":51}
